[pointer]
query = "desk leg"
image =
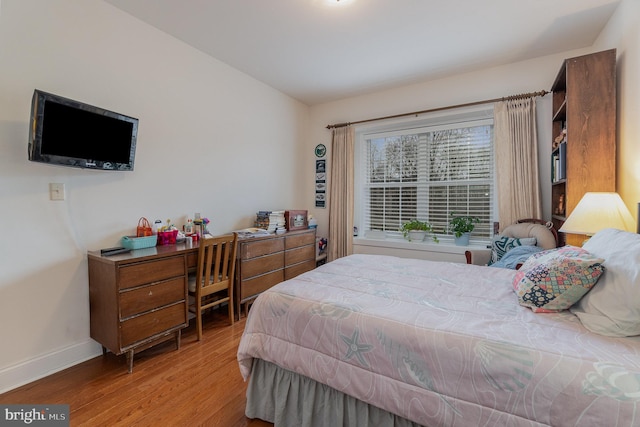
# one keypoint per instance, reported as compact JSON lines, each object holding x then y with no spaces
{"x":130,"y":360}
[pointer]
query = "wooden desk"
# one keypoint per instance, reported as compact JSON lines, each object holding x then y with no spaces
{"x":139,"y":299}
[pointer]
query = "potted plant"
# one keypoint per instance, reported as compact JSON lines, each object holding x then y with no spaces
{"x":417,"y":230}
{"x":461,"y":227}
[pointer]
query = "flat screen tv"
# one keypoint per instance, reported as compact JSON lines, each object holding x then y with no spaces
{"x":71,"y":133}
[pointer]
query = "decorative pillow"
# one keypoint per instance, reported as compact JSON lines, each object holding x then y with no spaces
{"x":515,"y":256}
{"x":502,"y":244}
{"x":555,"y":279}
{"x":613,"y":307}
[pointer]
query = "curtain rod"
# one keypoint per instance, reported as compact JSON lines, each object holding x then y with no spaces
{"x":469,"y":104}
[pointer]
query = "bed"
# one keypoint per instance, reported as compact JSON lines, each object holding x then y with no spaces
{"x":377,"y":340}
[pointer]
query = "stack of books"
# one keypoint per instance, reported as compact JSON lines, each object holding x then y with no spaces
{"x":277,"y":222}
{"x":272,"y":221}
{"x":262,"y":220}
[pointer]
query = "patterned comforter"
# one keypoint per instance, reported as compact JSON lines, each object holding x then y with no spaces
{"x":442,"y":344}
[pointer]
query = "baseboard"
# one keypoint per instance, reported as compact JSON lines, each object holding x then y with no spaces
{"x":47,"y":364}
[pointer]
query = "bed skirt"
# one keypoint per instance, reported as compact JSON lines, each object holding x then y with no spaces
{"x":296,"y":400}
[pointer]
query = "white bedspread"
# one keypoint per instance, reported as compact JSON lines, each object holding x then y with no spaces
{"x":442,"y":344}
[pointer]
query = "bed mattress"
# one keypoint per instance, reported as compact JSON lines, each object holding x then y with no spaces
{"x":442,"y":344}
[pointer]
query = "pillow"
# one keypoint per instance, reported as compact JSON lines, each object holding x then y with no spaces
{"x":613,"y":307}
{"x":502,"y":244}
{"x":555,"y":279}
{"x":515,"y":256}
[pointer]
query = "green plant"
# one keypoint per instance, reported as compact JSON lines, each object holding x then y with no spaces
{"x":459,"y":225}
{"x":417,"y":225}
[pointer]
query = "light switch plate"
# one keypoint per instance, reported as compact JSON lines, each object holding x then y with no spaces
{"x":56,"y":191}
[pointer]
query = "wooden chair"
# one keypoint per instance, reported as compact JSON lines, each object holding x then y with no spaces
{"x":546,"y":235}
{"x":212,"y":284}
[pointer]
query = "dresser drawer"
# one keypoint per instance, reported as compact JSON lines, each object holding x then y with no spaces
{"x":294,"y":256}
{"x":300,"y":240}
{"x":146,"y":325}
{"x":261,"y":265}
{"x":153,"y":296}
{"x":151,"y":271}
{"x":295,"y":270}
{"x":261,"y":247}
{"x":259,"y":284}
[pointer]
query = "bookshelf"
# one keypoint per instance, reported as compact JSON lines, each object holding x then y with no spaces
{"x":583,"y":154}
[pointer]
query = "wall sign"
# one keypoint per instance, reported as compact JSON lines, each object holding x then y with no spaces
{"x":321,"y":176}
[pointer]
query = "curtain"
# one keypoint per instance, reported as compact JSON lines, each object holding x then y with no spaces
{"x":340,"y":241}
{"x":516,"y":149}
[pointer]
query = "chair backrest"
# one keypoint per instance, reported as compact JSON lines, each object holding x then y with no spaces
{"x":216,"y":263}
{"x":546,"y":236}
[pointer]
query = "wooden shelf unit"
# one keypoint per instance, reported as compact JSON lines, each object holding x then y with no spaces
{"x":584,"y":100}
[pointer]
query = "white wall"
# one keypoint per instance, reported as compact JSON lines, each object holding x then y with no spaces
{"x":623,"y":33}
{"x":211,"y":140}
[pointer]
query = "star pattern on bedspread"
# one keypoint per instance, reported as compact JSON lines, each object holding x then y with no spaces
{"x":356,"y":349}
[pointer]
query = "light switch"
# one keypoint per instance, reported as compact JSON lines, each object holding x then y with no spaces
{"x":56,"y":191}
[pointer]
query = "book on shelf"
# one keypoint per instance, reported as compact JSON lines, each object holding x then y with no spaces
{"x":559,"y":163}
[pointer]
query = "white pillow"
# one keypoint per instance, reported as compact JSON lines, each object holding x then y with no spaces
{"x":613,"y":307}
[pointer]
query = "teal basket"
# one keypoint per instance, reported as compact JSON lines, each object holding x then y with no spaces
{"x":131,"y":242}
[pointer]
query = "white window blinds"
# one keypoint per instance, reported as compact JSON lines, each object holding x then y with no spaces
{"x":428,"y":173}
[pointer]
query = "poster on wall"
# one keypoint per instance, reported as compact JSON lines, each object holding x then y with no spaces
{"x":321,"y":176}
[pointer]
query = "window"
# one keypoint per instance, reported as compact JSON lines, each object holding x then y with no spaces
{"x":428,"y":171}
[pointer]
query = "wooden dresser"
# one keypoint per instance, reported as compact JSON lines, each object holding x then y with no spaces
{"x":266,"y":261}
{"x":139,"y":299}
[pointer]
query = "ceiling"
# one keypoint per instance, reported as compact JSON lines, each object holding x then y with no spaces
{"x":323,"y":50}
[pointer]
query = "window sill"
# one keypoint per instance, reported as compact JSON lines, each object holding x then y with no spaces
{"x":446,"y":250}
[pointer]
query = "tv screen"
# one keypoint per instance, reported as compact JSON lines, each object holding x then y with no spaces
{"x":71,"y":133}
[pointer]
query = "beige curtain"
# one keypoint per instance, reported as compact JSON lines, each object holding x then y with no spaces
{"x":516,"y":149}
{"x":340,"y":241}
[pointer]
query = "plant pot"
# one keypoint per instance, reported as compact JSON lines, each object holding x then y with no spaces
{"x":417,"y":235}
{"x":463,"y":240}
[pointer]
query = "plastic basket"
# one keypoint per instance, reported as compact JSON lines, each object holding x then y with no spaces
{"x":133,"y":242}
{"x":167,"y":237}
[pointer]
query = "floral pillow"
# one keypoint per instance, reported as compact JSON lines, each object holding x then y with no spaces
{"x":502,"y":244}
{"x":555,"y":279}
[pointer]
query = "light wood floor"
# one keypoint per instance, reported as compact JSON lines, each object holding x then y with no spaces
{"x":200,"y":384}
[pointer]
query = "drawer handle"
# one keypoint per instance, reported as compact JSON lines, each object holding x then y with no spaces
{"x":150,"y":293}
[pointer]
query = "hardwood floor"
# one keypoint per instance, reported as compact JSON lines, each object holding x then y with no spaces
{"x":200,"y":384}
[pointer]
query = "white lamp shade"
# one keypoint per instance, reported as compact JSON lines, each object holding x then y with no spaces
{"x":597,"y":211}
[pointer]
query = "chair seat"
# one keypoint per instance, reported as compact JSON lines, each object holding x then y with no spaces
{"x":192,"y":284}
{"x":211,"y":288}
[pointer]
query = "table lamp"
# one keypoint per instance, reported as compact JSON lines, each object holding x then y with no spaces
{"x":596,"y":211}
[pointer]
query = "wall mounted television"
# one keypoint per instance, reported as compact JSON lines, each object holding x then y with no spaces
{"x":71,"y":133}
